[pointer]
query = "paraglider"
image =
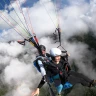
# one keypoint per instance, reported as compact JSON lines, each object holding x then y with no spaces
{"x":63,"y":78}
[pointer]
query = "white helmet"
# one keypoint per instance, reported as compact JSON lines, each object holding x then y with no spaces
{"x":55,"y":52}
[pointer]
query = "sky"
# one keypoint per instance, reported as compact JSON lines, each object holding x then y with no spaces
{"x":30,"y":4}
{"x":27,"y":3}
{"x":75,"y":17}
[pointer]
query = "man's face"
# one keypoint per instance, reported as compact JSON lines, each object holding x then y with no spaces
{"x":57,"y":59}
{"x":43,"y":52}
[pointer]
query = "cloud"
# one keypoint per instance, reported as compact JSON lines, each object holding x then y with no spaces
{"x":11,"y":72}
{"x":17,"y":70}
{"x":77,"y":2}
{"x":11,"y":50}
{"x":82,"y":57}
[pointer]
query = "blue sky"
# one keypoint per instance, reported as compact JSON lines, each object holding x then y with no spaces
{"x":31,"y":2}
{"x":27,"y":3}
{"x":3,"y":3}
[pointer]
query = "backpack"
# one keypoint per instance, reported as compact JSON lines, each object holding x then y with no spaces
{"x":36,"y":64}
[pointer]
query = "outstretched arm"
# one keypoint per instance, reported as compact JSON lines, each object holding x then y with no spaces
{"x":37,"y":90}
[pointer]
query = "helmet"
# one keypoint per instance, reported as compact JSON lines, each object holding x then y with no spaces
{"x":55,"y":52}
{"x":42,"y":47}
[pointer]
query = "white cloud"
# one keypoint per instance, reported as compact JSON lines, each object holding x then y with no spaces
{"x":82,"y":56}
{"x":4,"y":60}
{"x":13,"y":49}
{"x":17,"y":68}
{"x":16,"y":72}
{"x":21,"y":77}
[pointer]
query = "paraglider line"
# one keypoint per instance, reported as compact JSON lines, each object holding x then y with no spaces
{"x":11,"y":25}
{"x":17,"y":15}
{"x":24,"y":17}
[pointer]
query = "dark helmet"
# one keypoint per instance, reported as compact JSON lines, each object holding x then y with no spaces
{"x":42,"y":47}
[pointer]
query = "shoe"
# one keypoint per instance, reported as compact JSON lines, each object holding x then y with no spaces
{"x":59,"y":95}
{"x":93,"y":83}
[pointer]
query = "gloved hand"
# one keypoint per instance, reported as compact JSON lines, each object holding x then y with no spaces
{"x":36,"y":92}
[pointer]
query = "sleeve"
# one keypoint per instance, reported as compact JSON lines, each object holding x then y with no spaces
{"x":42,"y":82}
{"x":43,"y":71}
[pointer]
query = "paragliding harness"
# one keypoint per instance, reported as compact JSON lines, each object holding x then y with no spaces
{"x":44,"y":61}
{"x":21,"y":42}
{"x":58,"y":32}
{"x":63,"y":72}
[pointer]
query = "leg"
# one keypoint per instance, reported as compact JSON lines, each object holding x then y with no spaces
{"x":75,"y":80}
{"x":80,"y":75}
{"x":57,"y":82}
{"x":59,"y":88}
{"x":63,"y":87}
